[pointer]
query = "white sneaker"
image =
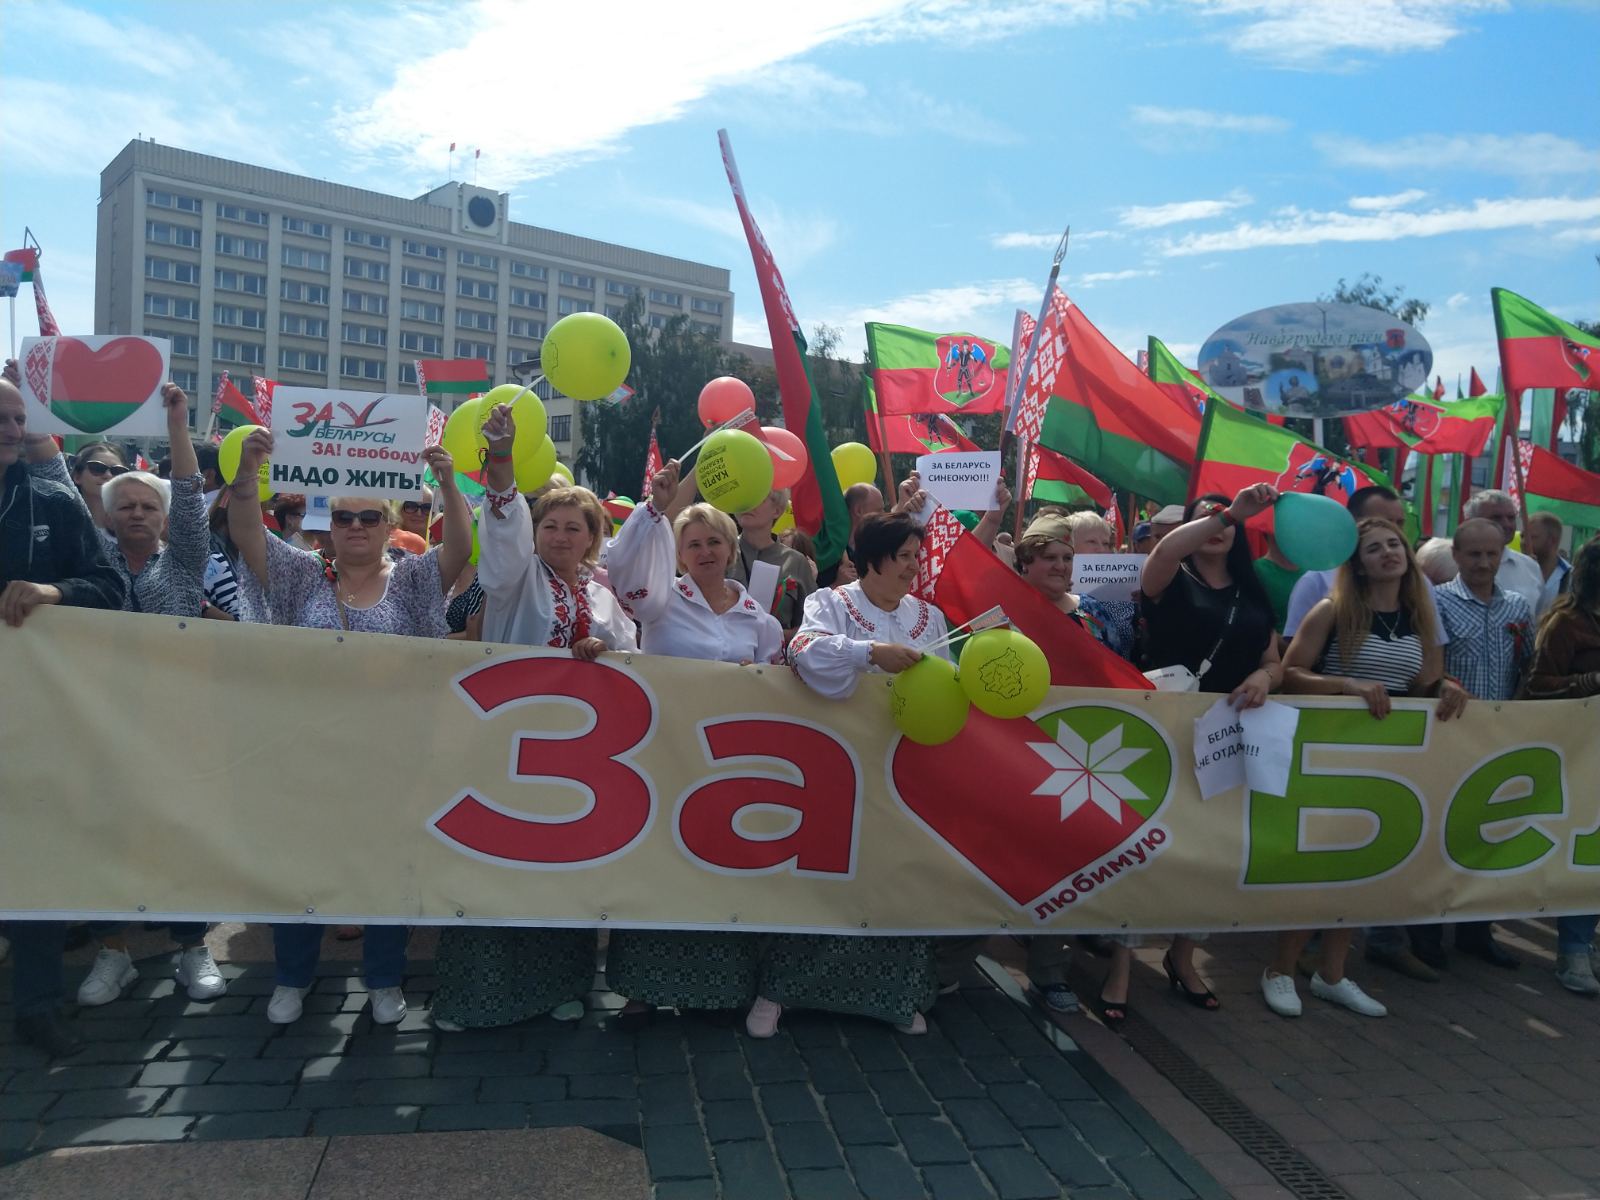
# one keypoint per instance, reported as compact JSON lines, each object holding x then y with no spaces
{"x":444,"y":1026}
{"x":388,"y":1005}
{"x":112,"y":974}
{"x":762,"y":1019}
{"x":287,"y":1004}
{"x":1347,"y":993}
{"x":1575,"y":972}
{"x":1278,"y":991}
{"x":197,"y":972}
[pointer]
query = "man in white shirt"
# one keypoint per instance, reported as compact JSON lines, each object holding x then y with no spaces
{"x":1542,"y":542}
{"x":1518,"y":573}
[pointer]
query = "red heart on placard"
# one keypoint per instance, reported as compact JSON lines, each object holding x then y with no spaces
{"x":1028,"y":804}
{"x":94,"y":390}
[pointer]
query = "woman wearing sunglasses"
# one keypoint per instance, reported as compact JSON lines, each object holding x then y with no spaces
{"x":414,"y":514}
{"x":360,"y":589}
{"x":92,"y":467}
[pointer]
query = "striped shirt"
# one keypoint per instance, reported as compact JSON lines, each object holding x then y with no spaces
{"x":1489,"y":642}
{"x":1391,"y":654}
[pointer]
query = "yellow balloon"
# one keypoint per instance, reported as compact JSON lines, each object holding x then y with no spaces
{"x":927,"y":703}
{"x":264,"y":482}
{"x":564,"y":471}
{"x":854,"y":463}
{"x":1004,"y":672}
{"x":534,"y":467}
{"x":230,"y":448}
{"x":585,"y":355}
{"x":473,"y":557}
{"x":463,"y":438}
{"x":527,"y":410}
{"x":734,"y":471}
{"x":785,"y":522}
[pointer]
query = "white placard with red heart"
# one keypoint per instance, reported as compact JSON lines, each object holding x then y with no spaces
{"x":101,"y":386}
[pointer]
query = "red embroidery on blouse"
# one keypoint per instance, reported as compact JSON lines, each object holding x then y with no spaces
{"x":562,"y":615}
{"x":796,"y":646}
{"x":650,"y":509}
{"x":499,"y":500}
{"x":751,"y":604}
{"x":688,"y":592}
{"x":855,"y":614}
{"x":922,"y":620}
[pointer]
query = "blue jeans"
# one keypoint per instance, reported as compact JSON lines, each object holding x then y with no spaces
{"x":37,"y":986}
{"x":298,"y":947}
{"x":1574,"y":934}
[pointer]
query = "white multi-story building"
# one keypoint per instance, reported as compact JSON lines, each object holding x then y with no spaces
{"x":316,"y":284}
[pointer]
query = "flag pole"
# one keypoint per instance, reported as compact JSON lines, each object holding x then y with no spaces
{"x":1015,"y":402}
{"x":1022,"y":482}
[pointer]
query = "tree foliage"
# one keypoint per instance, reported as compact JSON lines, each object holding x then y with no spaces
{"x":1370,"y":290}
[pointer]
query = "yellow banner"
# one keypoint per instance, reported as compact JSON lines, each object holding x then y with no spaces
{"x":155,"y":767}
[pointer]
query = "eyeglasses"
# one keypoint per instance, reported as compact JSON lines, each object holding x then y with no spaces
{"x":412,"y":507}
{"x":343,"y":518}
{"x":293,"y":512}
{"x":101,"y":470}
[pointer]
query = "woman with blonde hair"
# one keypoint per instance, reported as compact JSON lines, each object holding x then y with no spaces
{"x":536,"y":569}
{"x":698,"y":614}
{"x":1375,"y":637}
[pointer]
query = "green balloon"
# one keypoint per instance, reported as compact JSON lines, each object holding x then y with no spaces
{"x":1314,"y":532}
{"x":734,"y":471}
{"x":927,"y":702}
{"x":1004,"y":673}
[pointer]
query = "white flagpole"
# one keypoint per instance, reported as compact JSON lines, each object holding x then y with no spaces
{"x":1021,"y":376}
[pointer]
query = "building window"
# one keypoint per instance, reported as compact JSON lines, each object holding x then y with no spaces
{"x":561,"y":428}
{"x":316,"y":327}
{"x":367,"y":302}
{"x":173,"y":272}
{"x":515,"y":357}
{"x":469,"y":258}
{"x":171,"y":235}
{"x":524,"y":270}
{"x":240,"y":281}
{"x":242,"y":352}
{"x":422,"y":310}
{"x":524,"y":327}
{"x":614,"y":311}
{"x":701,"y":304}
{"x":187,"y":380}
{"x":659,"y":320}
{"x":423,"y":250}
{"x":306,"y":293}
{"x":670,"y":299}
{"x":309,"y":260}
{"x":362,"y":268}
{"x":246,"y":216}
{"x":477,"y":289}
{"x":467,"y":318}
{"x":707,"y":328}
{"x":244,"y":318}
{"x":360,"y":237}
{"x":483,"y":350}
{"x":182,"y":203}
{"x":566,"y":305}
{"x":613,"y":288}
{"x":239,"y":247}
{"x":361,"y":368}
{"x":366,"y":335}
{"x":421,"y":343}
{"x":578,"y":281}
{"x":303,"y":360}
{"x":316,"y":229}
{"x":526,"y":298}
{"x":432,"y":281}
{"x":178,"y":308}
{"x":408,"y":373}
{"x":185,"y":344}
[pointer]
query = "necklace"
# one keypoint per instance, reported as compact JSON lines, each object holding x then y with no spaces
{"x":1390,"y":623}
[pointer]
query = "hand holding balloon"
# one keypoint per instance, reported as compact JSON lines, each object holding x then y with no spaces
{"x":500,"y":430}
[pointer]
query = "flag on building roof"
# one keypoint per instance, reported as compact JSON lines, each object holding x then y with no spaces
{"x":915,"y":371}
{"x":911,"y":433}
{"x":1551,"y":484}
{"x":1054,"y":479}
{"x":455,"y":375}
{"x":1105,"y":414}
{"x":1427,"y":426}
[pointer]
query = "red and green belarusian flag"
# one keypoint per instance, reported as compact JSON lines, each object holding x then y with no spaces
{"x":1106,"y":414}
{"x":233,"y":404}
{"x":1055,"y":479}
{"x":1236,"y":450}
{"x":816,"y":499}
{"x":918,"y":433}
{"x":1551,"y":484}
{"x":1175,"y":379}
{"x":915,"y":371}
{"x":456,"y":375}
{"x":1539,"y":349}
{"x":1427,"y":426}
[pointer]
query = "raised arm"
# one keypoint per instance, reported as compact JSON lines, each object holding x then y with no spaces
{"x":1162,"y":563}
{"x":188,"y":535}
{"x":988,"y":528}
{"x":456,"y":547}
{"x":244,"y":504}
{"x":184,"y":461}
{"x":505,"y":528}
{"x":642,"y":559}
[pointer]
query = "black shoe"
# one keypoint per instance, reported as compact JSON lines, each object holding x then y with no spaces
{"x":1204,"y":998}
{"x":1491,"y":952}
{"x":1113,"y":1013}
{"x":1433,"y":956}
{"x":51,"y":1033}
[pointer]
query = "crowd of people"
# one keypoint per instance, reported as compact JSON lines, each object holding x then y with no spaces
{"x":1471,"y":619}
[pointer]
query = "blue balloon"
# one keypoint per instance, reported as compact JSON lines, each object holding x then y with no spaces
{"x":1314,"y":532}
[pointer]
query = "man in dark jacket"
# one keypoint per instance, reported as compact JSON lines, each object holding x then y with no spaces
{"x":49,"y":554}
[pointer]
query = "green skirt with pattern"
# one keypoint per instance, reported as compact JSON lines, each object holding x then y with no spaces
{"x":685,"y":968}
{"x":888,"y":978}
{"x":491,"y":976}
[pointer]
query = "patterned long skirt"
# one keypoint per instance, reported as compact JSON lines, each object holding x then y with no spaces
{"x":888,"y":978}
{"x":492,"y":976}
{"x":685,"y":969}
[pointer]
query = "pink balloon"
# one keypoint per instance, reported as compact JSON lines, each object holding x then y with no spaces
{"x":723,"y":399}
{"x":785,"y":472}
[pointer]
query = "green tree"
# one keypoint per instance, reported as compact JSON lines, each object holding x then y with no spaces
{"x":1369,"y":290}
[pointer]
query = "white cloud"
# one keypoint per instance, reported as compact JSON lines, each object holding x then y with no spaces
{"x":795,"y":238}
{"x":960,"y":22}
{"x":1156,"y":215}
{"x":163,"y":52}
{"x":962,"y":306}
{"x":1309,"y":228}
{"x":1337,"y":35}
{"x":1200,"y":119}
{"x":1047,"y":241}
{"x":1587,"y":234}
{"x":1457,"y":301}
{"x":1384,"y":203}
{"x":1534,"y":155}
{"x":1094,"y":277}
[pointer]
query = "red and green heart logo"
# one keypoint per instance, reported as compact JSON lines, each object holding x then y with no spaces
{"x":1028,"y":804}
{"x":94,"y":390}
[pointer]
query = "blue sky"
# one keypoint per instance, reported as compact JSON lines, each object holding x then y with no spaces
{"x":909,"y":160}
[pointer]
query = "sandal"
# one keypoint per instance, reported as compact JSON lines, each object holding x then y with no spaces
{"x":1113,"y":1013}
{"x":1203,"y":999}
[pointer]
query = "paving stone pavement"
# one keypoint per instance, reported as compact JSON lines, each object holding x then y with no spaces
{"x":984,"y":1105}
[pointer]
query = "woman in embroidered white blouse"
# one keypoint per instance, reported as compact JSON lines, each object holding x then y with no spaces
{"x":700,"y":614}
{"x":872,"y":625}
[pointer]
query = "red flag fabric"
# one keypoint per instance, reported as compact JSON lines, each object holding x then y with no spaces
{"x":653,"y":462}
{"x":238,"y":406}
{"x":961,"y":576}
{"x":924,"y":433}
{"x":264,"y":389}
{"x":1476,"y":386}
{"x":1056,"y":479}
{"x":47,"y":319}
{"x":216,"y":400}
